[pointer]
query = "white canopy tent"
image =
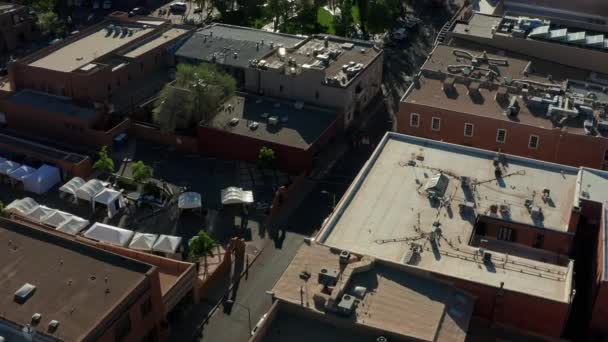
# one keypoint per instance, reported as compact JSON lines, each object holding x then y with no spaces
{"x":7,"y":166}
{"x":109,"y":234}
{"x":20,"y":173}
{"x":42,"y":180}
{"x":39,"y":212}
{"x":22,"y":206}
{"x":110,"y":198}
{"x":234,"y":195}
{"x":189,"y":200}
{"x":91,"y":188}
{"x":72,"y":185}
{"x":143,"y":242}
{"x":56,"y":218}
{"x":167,"y":244}
{"x":73,"y":226}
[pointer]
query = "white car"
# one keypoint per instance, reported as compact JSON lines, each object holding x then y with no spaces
{"x":107,"y":4}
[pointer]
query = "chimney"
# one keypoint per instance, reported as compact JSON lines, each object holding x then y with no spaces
{"x":326,"y":41}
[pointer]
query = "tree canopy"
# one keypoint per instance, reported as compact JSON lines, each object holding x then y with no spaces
{"x":105,"y":162}
{"x":194,"y":97}
{"x":266,"y":157}
{"x":141,"y":171}
{"x":201,"y":245}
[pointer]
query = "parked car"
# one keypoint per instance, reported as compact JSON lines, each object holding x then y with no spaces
{"x":107,"y":4}
{"x":138,"y":11}
{"x":178,"y":7}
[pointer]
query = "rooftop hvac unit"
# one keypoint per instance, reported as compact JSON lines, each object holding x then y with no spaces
{"x":273,"y":120}
{"x":53,"y":325}
{"x":328,"y":277}
{"x":346,"y":305}
{"x":24,"y":293}
{"x":344,"y":256}
{"x":254,"y":125}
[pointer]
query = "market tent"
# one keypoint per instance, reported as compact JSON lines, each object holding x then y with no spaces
{"x":7,"y":166}
{"x":56,"y":218}
{"x":72,"y":185}
{"x":167,"y":244}
{"x":22,"y":206}
{"x":42,"y":180}
{"x":142,"y":241}
{"x":189,"y":200}
{"x":110,"y":198}
{"x":91,"y":188}
{"x":20,"y":173}
{"x":109,"y":234}
{"x":39,"y":212}
{"x":234,"y":195}
{"x":73,"y":226}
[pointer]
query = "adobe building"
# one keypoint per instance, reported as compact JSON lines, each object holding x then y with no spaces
{"x":84,"y":87}
{"x":490,"y":98}
{"x":324,"y":71}
{"x":56,"y":288}
{"x":500,"y":227}
{"x":246,"y":123}
{"x":17,"y":26}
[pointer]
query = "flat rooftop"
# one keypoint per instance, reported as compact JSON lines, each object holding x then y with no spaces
{"x":297,"y":128}
{"x":441,"y":313}
{"x":77,"y":53}
{"x":69,"y":277}
{"x":54,"y":104}
{"x":160,"y":39}
{"x":243,"y":33}
{"x":41,"y":151}
{"x":387,"y":209}
{"x":553,"y":81}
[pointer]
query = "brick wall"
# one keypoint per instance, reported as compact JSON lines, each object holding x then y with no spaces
{"x":183,"y":143}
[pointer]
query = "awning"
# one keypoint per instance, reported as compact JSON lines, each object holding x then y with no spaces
{"x":56,"y":218}
{"x":22,"y":206}
{"x":21,"y":172}
{"x":109,"y":234}
{"x":73,"y":226}
{"x":39,"y":212}
{"x":71,"y":186}
{"x":189,"y":200}
{"x":42,"y":180}
{"x":91,"y":188}
{"x":8,"y":166}
{"x":167,"y":244}
{"x":143,"y":242}
{"x":234,"y":195}
{"x":107,"y":196}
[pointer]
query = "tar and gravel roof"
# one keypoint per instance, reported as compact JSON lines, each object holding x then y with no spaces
{"x":54,"y":104}
{"x":387,"y":201}
{"x":70,"y":278}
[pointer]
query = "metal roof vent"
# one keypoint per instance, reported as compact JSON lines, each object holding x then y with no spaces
{"x":53,"y":325}
{"x":36,"y":318}
{"x":24,"y":293}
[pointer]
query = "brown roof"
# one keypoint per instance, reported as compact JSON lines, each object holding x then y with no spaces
{"x":72,"y":280}
{"x":396,"y":301}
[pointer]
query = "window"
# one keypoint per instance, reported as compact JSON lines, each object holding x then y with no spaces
{"x":435,"y":124}
{"x":506,"y":234}
{"x":468,"y":129}
{"x":141,"y":66}
{"x":317,"y":94}
{"x":281,"y":88}
{"x":109,"y":87}
{"x":123,"y":328}
{"x":415,"y":120}
{"x":146,"y":307}
{"x":538,"y":243}
{"x":606,"y":155}
{"x":156,"y":59}
{"x":501,"y":135}
{"x":533,"y":142}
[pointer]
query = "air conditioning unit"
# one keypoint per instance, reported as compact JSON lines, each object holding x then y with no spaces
{"x":254,"y":125}
{"x":273,"y":120}
{"x":346,"y":305}
{"x":328,"y":277}
{"x":234,"y":121}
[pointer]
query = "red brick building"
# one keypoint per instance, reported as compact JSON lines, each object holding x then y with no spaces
{"x":501,"y":227}
{"x":17,"y":26}
{"x":85,"y":85}
{"x":522,"y":106}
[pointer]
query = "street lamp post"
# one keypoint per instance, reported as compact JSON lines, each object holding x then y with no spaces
{"x":325,"y":192}
{"x":231,"y":303}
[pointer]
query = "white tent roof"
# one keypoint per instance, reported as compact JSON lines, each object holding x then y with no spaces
{"x":143,"y":241}
{"x":21,"y":172}
{"x":22,"y":206}
{"x":39,"y":212}
{"x":42,"y":180}
{"x":107,"y":196}
{"x":234,"y":195}
{"x":56,"y":218}
{"x":73,"y":185}
{"x":189,"y":200}
{"x":8,"y":166}
{"x":110,"y":234}
{"x":73,"y":226}
{"x":167,"y":244}
{"x":91,"y":188}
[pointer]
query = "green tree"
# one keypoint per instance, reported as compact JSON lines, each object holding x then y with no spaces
{"x":48,"y":18}
{"x":105,"y":162}
{"x":344,"y":21}
{"x":201,"y":245}
{"x":141,"y":172}
{"x":205,"y":10}
{"x":266,"y":158}
{"x":279,"y":11}
{"x":381,"y":14}
{"x":362,"y":5}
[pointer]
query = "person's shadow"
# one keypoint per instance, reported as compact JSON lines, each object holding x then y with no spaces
{"x":279,"y":237}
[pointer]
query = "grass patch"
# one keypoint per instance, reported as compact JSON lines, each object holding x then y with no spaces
{"x":326,"y":20}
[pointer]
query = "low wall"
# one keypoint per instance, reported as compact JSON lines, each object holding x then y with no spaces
{"x":150,"y":133}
